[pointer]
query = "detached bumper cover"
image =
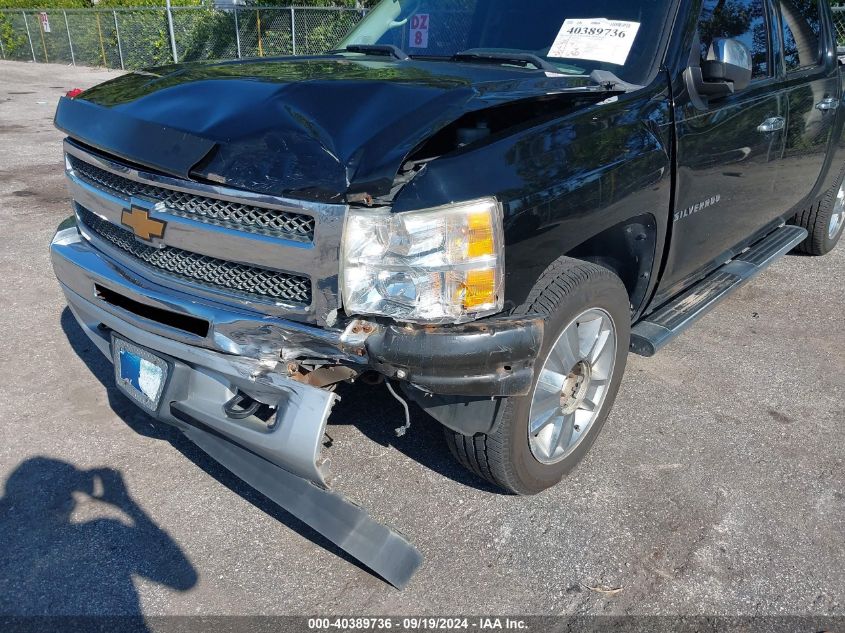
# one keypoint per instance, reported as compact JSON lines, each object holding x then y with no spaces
{"x":281,"y":457}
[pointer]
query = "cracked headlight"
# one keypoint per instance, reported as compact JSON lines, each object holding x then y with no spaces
{"x":441,"y":265}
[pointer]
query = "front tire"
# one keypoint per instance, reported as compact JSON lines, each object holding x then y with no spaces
{"x":541,"y":436}
{"x":824,"y":221}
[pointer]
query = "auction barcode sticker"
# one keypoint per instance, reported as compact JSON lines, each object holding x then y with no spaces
{"x":597,"y":39}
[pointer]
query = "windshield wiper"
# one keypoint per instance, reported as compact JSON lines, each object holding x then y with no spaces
{"x":518,"y":59}
{"x":387,"y":50}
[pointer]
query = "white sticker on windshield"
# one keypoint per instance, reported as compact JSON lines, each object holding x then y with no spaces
{"x":596,"y":39}
{"x":419,"y":30}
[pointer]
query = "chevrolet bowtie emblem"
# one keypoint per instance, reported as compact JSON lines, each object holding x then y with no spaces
{"x":143,"y":226}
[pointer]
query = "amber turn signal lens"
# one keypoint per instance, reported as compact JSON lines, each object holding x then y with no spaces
{"x":480,"y":235}
{"x":479,"y":288}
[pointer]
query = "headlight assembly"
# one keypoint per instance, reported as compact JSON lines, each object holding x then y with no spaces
{"x":441,"y":265}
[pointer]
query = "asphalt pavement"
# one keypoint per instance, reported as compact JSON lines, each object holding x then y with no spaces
{"x":717,"y":486}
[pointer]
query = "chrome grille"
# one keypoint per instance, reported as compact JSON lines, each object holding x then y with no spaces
{"x":243,"y":217}
{"x":209,"y":271}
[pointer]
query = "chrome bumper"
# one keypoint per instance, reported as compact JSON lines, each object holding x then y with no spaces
{"x":80,"y":268}
{"x":203,"y":379}
{"x":241,"y":352}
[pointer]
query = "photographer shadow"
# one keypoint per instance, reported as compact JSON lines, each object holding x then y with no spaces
{"x":53,"y":565}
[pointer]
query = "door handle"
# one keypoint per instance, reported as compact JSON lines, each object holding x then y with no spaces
{"x":772,"y":124}
{"x":829,"y":103}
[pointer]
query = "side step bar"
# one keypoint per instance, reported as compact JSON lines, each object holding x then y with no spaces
{"x":657,"y":329}
{"x":350,"y":527}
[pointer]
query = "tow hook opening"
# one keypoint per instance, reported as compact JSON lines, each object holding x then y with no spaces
{"x":244,"y":407}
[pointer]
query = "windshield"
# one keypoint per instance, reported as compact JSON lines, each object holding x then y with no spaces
{"x":576,"y":37}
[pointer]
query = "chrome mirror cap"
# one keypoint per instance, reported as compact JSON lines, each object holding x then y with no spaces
{"x":730,"y":51}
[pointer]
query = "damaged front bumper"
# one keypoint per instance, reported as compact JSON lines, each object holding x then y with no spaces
{"x":217,"y":353}
{"x":485,"y":358}
{"x":279,"y":456}
{"x":493,"y":357}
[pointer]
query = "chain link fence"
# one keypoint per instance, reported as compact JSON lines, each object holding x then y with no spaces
{"x":139,"y":38}
{"x":839,"y":24}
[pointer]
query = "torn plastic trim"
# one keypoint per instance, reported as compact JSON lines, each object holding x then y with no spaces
{"x":384,"y":550}
{"x":494,"y":357}
{"x":467,"y":415}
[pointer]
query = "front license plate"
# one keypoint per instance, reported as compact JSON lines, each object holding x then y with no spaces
{"x":140,"y":374}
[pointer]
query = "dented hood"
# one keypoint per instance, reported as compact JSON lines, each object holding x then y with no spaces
{"x":317,"y":128}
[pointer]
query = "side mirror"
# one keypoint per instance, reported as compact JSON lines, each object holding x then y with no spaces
{"x":728,"y":61}
{"x":726,"y":70}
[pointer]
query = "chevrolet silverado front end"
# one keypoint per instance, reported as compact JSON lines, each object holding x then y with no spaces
{"x":485,"y":216}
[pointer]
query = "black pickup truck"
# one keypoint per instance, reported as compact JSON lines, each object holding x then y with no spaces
{"x":484,"y":205}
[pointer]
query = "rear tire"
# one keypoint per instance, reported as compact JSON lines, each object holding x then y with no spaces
{"x":527,"y":462}
{"x":824,"y":221}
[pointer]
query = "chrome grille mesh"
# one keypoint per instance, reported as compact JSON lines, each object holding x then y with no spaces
{"x":235,"y":215}
{"x":209,"y":271}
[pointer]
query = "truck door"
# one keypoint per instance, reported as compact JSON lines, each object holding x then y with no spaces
{"x":728,"y":154}
{"x":814,"y":95}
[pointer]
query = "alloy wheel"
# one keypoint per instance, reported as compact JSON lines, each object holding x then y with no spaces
{"x":572,"y":386}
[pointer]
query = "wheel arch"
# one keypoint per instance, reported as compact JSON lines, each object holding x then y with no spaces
{"x":628,"y":249}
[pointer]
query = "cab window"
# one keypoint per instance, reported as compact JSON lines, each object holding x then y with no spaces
{"x":801,"y":27}
{"x":743,"y":20}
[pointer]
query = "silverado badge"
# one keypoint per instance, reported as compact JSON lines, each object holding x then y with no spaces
{"x":143,"y":226}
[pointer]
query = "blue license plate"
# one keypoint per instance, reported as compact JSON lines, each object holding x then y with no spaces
{"x":140,"y":374}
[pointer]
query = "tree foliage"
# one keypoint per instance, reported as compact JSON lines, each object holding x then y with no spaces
{"x":108,"y":4}
{"x":201,"y":31}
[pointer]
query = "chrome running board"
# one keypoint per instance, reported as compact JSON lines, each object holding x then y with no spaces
{"x":660,"y":327}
